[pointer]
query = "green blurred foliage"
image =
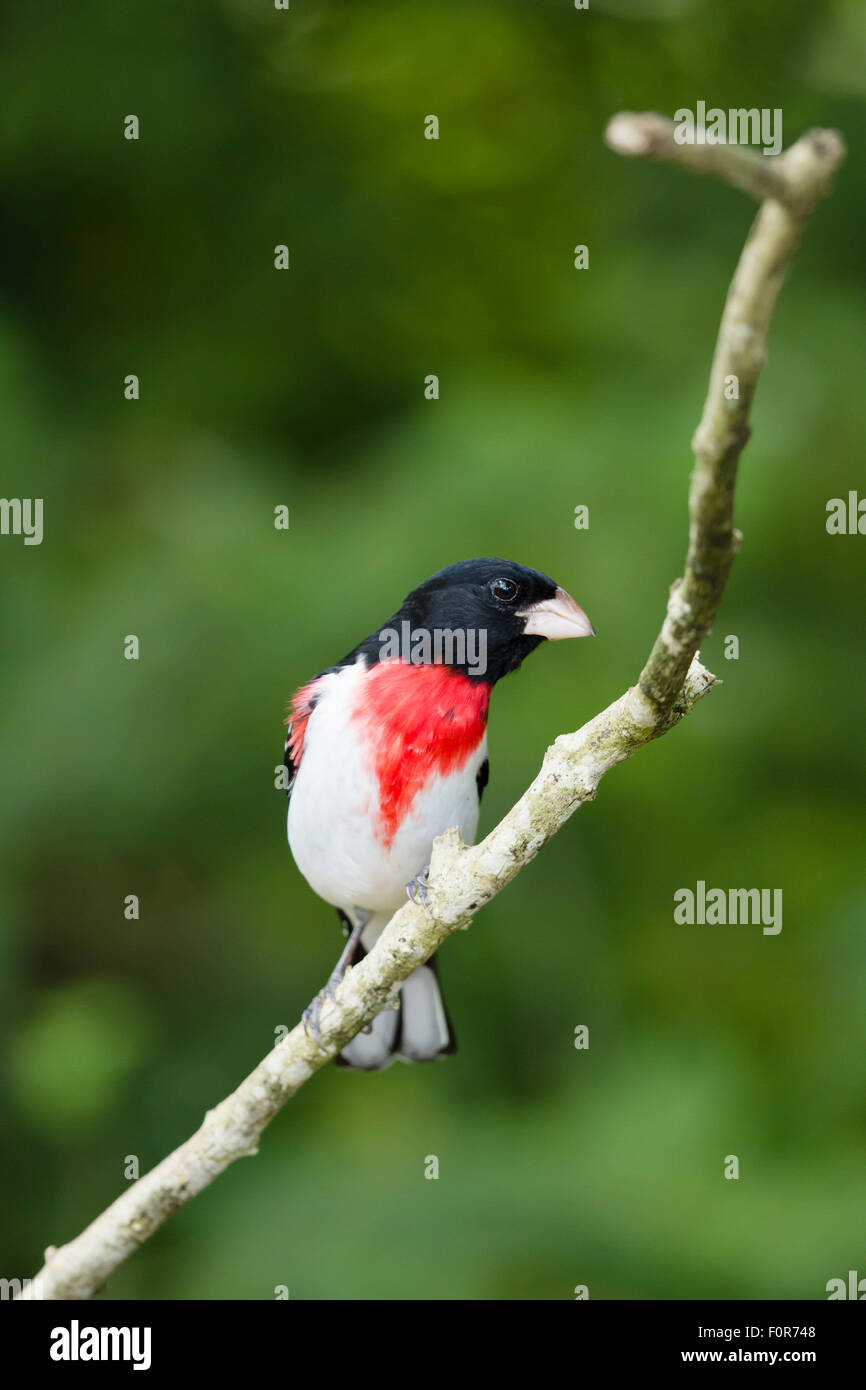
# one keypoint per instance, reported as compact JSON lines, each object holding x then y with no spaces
{"x":558,"y":387}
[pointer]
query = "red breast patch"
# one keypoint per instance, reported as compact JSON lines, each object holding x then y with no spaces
{"x":418,"y":722}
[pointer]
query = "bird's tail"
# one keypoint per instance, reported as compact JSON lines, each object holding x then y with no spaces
{"x":417,"y":1031}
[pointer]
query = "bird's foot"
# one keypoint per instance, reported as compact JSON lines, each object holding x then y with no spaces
{"x":311,"y":1014}
{"x":417,"y":888}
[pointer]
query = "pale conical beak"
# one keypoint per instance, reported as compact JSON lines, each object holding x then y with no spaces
{"x":556,"y":618}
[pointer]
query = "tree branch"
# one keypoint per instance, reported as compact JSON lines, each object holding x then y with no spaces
{"x":791,"y":184}
{"x":462,"y":878}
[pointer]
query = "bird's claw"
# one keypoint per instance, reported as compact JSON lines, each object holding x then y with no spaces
{"x":310,"y":1020}
{"x":310,"y":1017}
{"x":416,"y":888}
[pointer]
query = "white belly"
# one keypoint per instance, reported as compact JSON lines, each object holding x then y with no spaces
{"x":334,"y":827}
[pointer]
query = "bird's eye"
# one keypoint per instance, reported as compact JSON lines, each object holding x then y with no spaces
{"x":504,"y":589}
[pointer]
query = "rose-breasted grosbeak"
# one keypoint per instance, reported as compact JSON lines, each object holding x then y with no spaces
{"x":388,"y":748}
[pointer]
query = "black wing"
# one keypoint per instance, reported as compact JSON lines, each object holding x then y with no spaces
{"x":482,"y":777}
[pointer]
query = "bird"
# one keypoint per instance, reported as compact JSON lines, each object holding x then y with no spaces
{"x":388,"y":748}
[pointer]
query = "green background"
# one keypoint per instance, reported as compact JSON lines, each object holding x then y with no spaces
{"x":305,"y":388}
